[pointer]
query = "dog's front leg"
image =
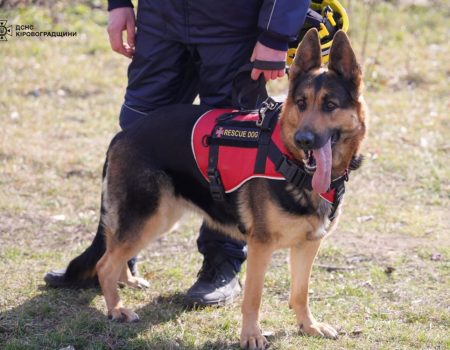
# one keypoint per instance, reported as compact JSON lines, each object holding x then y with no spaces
{"x":301,"y":259}
{"x":258,"y":259}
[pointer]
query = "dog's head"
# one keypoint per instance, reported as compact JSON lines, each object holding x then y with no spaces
{"x":323,"y":118}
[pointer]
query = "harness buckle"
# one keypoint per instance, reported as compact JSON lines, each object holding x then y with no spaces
{"x":291,"y":172}
{"x":215,"y":185}
{"x":268,"y":104}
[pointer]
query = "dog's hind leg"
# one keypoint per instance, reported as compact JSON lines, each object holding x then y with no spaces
{"x":109,"y":269}
{"x":121,"y":246}
{"x":301,"y":260}
{"x":258,"y":259}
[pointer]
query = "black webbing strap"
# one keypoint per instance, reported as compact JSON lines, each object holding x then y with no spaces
{"x":231,"y":143}
{"x":215,"y":181}
{"x":292,"y":172}
{"x":269,"y":113}
{"x":339,"y":186}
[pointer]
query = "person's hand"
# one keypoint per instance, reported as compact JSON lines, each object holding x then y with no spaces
{"x":264,"y":53}
{"x":121,"y":19}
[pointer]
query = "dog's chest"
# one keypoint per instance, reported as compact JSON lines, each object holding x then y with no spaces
{"x":283,"y":217}
{"x":290,"y":229}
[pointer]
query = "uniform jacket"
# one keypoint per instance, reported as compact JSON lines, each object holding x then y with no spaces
{"x":273,"y":22}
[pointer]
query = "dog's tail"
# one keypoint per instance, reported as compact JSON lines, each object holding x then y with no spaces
{"x":81,"y":271}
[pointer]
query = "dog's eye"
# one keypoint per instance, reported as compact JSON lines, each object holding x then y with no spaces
{"x":330,"y":106}
{"x":301,"y":105}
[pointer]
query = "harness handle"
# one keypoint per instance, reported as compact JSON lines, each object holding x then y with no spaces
{"x":247,"y":93}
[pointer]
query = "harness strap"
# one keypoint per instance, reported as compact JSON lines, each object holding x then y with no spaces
{"x":269,"y":119}
{"x":215,"y":181}
{"x":292,"y":172}
{"x":263,"y":149}
{"x":339,"y":187}
{"x":232,"y":143}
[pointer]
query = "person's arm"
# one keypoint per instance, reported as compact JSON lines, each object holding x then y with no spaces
{"x":121,"y":18}
{"x":279,"y":22}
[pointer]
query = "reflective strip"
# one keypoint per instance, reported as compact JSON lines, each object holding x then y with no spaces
{"x":271,"y":13}
{"x":255,"y":177}
{"x":134,"y":110}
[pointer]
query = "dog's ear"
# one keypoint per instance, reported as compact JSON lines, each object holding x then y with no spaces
{"x":308,"y":55}
{"x":343,"y":62}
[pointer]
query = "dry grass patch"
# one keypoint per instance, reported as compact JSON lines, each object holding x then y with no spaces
{"x":382,"y":279}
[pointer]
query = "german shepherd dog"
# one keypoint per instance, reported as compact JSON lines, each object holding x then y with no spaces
{"x":151,"y":178}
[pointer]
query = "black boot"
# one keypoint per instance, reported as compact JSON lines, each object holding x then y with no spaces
{"x":217,"y":284}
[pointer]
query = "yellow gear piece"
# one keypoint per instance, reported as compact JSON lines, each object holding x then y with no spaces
{"x":339,"y":21}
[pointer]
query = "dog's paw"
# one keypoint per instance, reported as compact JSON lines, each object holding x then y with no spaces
{"x":123,"y":315}
{"x":253,"y":340}
{"x":138,"y":282}
{"x":319,"y":329}
{"x":135,"y":282}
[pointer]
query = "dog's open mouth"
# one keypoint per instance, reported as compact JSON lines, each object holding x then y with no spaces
{"x":309,"y":162}
{"x":318,"y":163}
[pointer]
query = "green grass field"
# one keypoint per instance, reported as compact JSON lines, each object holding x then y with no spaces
{"x":389,"y":287}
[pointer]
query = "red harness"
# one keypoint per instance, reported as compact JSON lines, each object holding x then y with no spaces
{"x":236,"y":164}
{"x":237,"y":154}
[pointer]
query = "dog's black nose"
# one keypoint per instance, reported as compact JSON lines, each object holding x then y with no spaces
{"x":304,"y":139}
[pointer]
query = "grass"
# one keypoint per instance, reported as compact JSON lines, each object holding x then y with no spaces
{"x":59,"y":102}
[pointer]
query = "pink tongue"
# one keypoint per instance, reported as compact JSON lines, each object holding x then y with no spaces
{"x":322,"y":176}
